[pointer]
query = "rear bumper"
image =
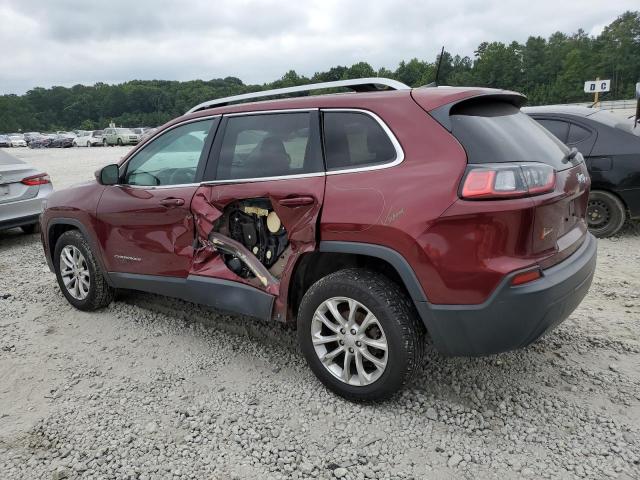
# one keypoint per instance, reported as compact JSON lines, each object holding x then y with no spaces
{"x":24,"y":212}
{"x":19,"y":222}
{"x":514,"y":317}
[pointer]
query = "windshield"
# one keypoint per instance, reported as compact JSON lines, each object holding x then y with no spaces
{"x":97,"y":132}
{"x":123,"y":130}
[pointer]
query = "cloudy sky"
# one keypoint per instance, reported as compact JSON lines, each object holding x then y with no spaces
{"x":65,"y":42}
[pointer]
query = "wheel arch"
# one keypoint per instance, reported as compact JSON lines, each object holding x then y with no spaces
{"x":336,"y":255}
{"x":602,"y":188}
{"x":57,"y":226}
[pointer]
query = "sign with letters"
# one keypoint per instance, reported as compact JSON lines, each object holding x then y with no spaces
{"x":597,"y":86}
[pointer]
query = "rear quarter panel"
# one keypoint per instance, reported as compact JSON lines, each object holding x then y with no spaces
{"x":397,"y":206}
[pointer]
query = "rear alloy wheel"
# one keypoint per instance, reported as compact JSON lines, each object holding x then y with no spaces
{"x":79,"y":275}
{"x":605,"y":214}
{"x":88,"y":144}
{"x":342,"y":343}
{"x":360,"y":334}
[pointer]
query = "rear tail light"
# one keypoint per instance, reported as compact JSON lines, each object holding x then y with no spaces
{"x":39,"y":179}
{"x":507,"y":180}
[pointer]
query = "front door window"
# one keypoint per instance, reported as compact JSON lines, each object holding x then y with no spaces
{"x":171,"y":159}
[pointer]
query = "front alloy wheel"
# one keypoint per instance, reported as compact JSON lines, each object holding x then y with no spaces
{"x":74,"y":272}
{"x":79,"y":275}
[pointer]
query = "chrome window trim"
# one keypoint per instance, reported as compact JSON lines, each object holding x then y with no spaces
{"x":266,"y":112}
{"x":157,"y":187}
{"x":265,"y":179}
{"x":394,"y":141}
{"x":151,"y":139}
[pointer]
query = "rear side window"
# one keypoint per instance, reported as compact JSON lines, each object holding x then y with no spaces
{"x":559,"y":128}
{"x":269,"y":145}
{"x":495,"y":132}
{"x":355,"y":140}
{"x":577,"y":134}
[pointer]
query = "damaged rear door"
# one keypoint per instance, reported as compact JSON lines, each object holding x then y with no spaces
{"x":258,"y":209}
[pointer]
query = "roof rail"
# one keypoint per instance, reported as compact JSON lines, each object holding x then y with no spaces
{"x":357,"y":85}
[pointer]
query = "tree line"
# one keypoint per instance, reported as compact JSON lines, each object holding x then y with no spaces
{"x":547,"y":70}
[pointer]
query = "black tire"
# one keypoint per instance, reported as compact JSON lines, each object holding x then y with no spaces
{"x":88,"y":144}
{"x":119,"y":142}
{"x":606,"y":214}
{"x":30,"y":229}
{"x":104,"y":142}
{"x":100,"y":293}
{"x":396,"y":314}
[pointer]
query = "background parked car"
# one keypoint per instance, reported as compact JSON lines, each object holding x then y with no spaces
{"x":23,"y":190}
{"x":119,"y":136}
{"x":61,"y":141}
{"x":90,"y":138}
{"x":148,"y":133}
{"x":4,"y":141}
{"x":17,"y":140}
{"x":65,"y":133}
{"x":41,"y":141}
{"x":611,"y":148}
{"x":141,"y":130}
{"x":30,"y":135}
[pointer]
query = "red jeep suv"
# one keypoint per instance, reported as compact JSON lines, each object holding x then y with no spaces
{"x":370,"y":218}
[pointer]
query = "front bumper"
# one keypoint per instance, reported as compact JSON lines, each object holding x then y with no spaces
{"x":514,"y":316}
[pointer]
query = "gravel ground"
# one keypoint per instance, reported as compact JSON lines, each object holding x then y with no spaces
{"x":154,"y":388}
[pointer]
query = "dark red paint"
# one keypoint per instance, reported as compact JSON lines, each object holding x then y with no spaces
{"x":460,"y":250}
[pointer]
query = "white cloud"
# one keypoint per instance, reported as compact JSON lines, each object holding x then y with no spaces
{"x":73,"y":41}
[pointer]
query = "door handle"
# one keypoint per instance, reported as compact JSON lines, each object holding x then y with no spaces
{"x":296,"y":201}
{"x":172,"y":202}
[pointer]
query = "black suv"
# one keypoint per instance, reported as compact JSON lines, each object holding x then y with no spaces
{"x":611,"y":148}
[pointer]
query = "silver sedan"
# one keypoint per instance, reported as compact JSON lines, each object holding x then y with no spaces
{"x":23,"y":192}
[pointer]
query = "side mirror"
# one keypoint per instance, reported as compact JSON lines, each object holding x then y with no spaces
{"x":108,"y":175}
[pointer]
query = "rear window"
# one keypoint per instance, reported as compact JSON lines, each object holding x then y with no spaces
{"x":497,"y":132}
{"x":609,"y":119}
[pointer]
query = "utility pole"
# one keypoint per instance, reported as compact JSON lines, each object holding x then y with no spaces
{"x":596,"y":95}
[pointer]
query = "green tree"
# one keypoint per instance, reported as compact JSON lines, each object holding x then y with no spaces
{"x":551,"y":70}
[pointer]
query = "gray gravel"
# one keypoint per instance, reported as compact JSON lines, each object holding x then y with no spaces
{"x":154,"y":388}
